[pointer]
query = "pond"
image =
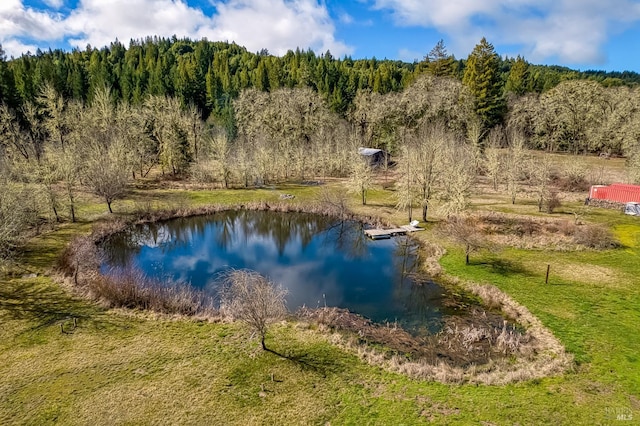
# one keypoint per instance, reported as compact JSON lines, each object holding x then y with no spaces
{"x":320,"y":261}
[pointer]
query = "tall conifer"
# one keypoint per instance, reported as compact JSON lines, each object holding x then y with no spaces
{"x":482,"y":76}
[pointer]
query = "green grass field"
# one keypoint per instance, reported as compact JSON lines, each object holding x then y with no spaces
{"x":118,"y":367}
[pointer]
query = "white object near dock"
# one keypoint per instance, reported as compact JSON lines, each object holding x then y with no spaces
{"x":380,"y":234}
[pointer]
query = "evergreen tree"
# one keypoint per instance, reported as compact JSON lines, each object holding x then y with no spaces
{"x":518,"y":80}
{"x":482,"y":76}
{"x":8,"y":94}
{"x":439,"y":62}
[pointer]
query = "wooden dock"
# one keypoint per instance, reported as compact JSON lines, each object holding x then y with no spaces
{"x":381,"y":234}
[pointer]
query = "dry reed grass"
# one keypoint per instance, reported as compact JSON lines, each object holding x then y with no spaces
{"x":526,"y":232}
{"x":509,"y":355}
{"x":131,"y":289}
{"x":126,"y":288}
{"x":431,"y":254}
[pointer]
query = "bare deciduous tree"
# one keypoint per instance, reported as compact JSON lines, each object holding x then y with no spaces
{"x":514,"y":163}
{"x":420,"y":165}
{"x":431,"y":140}
{"x":540,"y":175}
{"x":253,"y":299}
{"x":405,"y":194}
{"x":69,"y":165}
{"x":106,"y":173}
{"x":360,"y":177}
{"x":493,"y":157}
{"x":335,"y":202}
{"x":457,"y":178}
{"x":17,"y":214}
{"x":463,"y":231}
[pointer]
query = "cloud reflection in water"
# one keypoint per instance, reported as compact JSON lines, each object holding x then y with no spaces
{"x":319,"y":260}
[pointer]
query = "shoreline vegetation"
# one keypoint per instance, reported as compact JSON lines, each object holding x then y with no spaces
{"x":473,"y":349}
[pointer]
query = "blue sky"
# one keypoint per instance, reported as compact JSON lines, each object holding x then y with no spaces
{"x":581,"y":34}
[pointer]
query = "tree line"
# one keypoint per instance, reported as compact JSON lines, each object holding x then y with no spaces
{"x":209,"y":75}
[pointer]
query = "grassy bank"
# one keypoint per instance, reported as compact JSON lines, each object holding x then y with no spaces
{"x":115,"y":367}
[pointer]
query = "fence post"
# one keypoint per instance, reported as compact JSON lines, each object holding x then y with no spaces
{"x":546,"y":280}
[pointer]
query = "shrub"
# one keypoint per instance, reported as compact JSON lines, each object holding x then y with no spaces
{"x":594,"y":236}
{"x":80,"y":257}
{"x":552,"y":202}
{"x":573,"y":177}
{"x":131,"y":288}
{"x":253,"y":299}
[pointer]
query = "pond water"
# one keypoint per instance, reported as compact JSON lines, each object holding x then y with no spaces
{"x":321,"y":261}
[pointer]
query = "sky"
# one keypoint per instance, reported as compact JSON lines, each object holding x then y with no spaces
{"x":580,"y":34}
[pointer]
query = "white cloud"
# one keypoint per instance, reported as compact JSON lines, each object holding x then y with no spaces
{"x":56,"y":4}
{"x":18,"y":21}
{"x":345,"y":18}
{"x":573,"y":30}
{"x":99,"y":22}
{"x":278,"y":25}
{"x":15,"y":48}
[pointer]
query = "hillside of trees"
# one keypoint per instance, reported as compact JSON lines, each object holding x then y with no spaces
{"x":209,"y":75}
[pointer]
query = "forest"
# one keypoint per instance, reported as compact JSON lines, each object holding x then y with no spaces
{"x":209,"y":75}
{"x":97,"y":120}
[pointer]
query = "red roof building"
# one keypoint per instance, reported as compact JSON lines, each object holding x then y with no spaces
{"x":617,"y":192}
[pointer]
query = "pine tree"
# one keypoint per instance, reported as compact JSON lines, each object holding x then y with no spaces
{"x":482,"y":76}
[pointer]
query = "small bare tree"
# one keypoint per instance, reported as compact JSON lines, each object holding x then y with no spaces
{"x":405,"y":194}
{"x":106,"y":173}
{"x":463,"y":231}
{"x":335,"y":202}
{"x":456,"y":179}
{"x":540,"y":177}
{"x":16,"y":216}
{"x":361,"y":177}
{"x":515,"y":160}
{"x":493,"y":162}
{"x":253,"y":299}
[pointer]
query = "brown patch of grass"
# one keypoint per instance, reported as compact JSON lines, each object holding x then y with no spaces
{"x":528,"y":232}
{"x":582,"y":272}
{"x":468,"y":350}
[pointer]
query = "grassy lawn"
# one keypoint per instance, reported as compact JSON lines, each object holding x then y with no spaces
{"x":116,"y":367}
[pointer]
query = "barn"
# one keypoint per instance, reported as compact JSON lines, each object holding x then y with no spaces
{"x":617,"y":193}
{"x":375,"y":157}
